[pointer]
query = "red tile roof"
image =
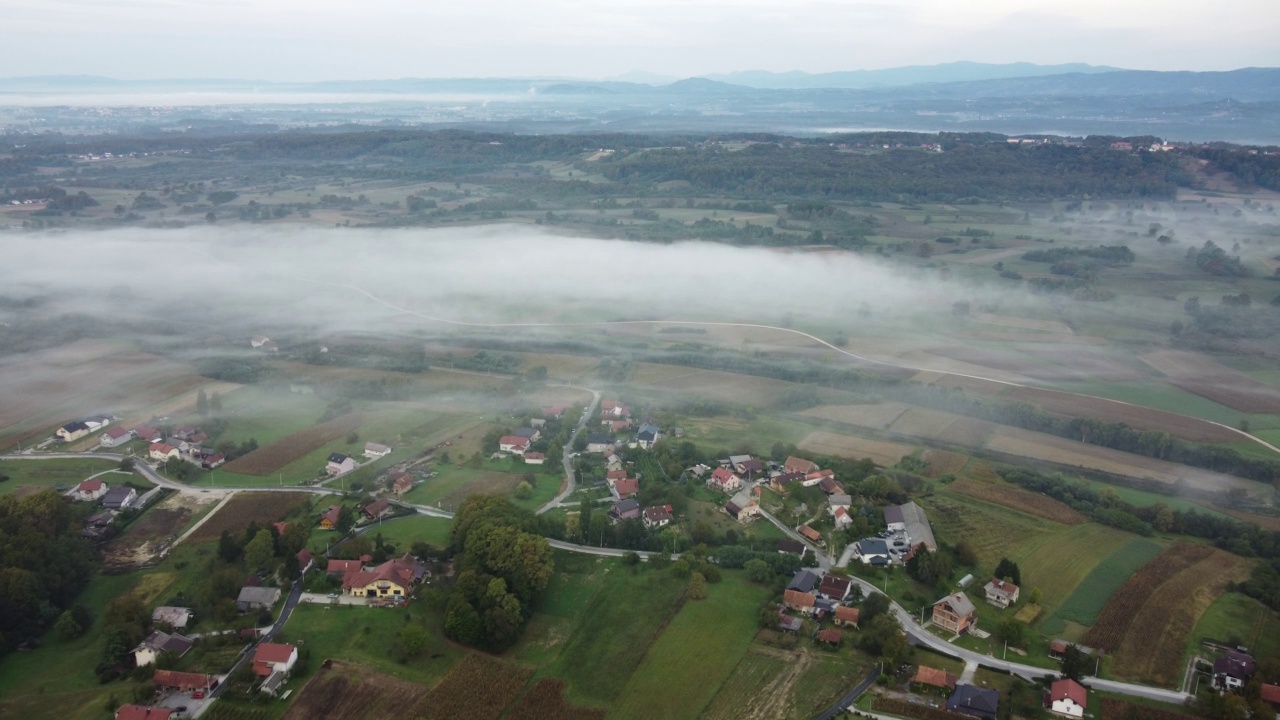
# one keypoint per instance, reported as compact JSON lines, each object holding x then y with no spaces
{"x":830,"y":635}
{"x":1068,"y":688}
{"x":809,"y":532}
{"x":935,"y":677}
{"x":514,"y":441}
{"x":615,"y":474}
{"x":402,"y":571}
{"x":627,"y":487}
{"x":90,"y":485}
{"x":848,"y":614}
{"x":182,"y":680}
{"x":146,"y":432}
{"x":795,"y":464}
{"x":795,"y":598}
{"x":722,"y":475}
{"x":1271,"y":693}
{"x":344,"y":566}
{"x":160,"y":447}
{"x":142,"y":712}
{"x":273,"y":653}
{"x":116,"y":433}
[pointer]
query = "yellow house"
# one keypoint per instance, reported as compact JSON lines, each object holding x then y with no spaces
{"x":391,"y":579}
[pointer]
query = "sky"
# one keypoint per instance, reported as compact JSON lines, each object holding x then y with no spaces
{"x":306,"y":40}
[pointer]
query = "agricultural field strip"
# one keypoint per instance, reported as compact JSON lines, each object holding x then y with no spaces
{"x":1092,"y":593}
{"x":1124,"y":605}
{"x":1019,"y":499}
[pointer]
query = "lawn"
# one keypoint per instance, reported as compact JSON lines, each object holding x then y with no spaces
{"x":403,"y":532}
{"x":1235,"y":619}
{"x":1055,"y":563}
{"x":31,"y":475}
{"x":1088,"y":598}
{"x":695,"y":654}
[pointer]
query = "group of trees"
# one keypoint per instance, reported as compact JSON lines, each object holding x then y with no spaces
{"x":44,"y":564}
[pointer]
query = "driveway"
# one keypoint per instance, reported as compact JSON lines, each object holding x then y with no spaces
{"x":323,"y":599}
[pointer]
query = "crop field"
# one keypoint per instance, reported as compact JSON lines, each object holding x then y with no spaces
{"x":942,"y":462}
{"x":946,"y":427}
{"x":1186,"y":428}
{"x":994,"y":531}
{"x":1057,"y":563}
{"x":348,"y":691}
{"x":1124,"y":605}
{"x":1089,"y":594}
{"x":876,"y":417}
{"x":1210,"y":379}
{"x":848,"y":446}
{"x":246,"y":507}
{"x":1072,"y":362}
{"x":726,"y":387}
{"x":1024,"y":323}
{"x":454,"y":483}
{"x":1266,"y":522}
{"x":273,"y":457}
{"x":695,"y":654}
{"x":545,"y":701}
{"x":29,"y":476}
{"x":1018,"y":499}
{"x":1156,"y":639}
{"x":775,"y":684}
{"x":478,"y":688}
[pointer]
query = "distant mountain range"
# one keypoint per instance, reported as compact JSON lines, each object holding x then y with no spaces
{"x":896,"y":77}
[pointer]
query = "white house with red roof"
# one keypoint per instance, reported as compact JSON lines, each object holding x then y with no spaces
{"x":624,"y":488}
{"x":725,"y":480}
{"x":89,"y":490}
{"x":1067,"y":697}
{"x":534,"y":458}
{"x":842,"y":517}
{"x":162,"y":451}
{"x":274,"y":657}
{"x":115,"y":436}
{"x":513,"y":444}
{"x":614,"y":409}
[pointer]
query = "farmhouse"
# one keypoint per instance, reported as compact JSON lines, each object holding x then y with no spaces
{"x":598,"y":442}
{"x":160,"y":642}
{"x":89,"y":490}
{"x":746,"y":465}
{"x":834,"y":587}
{"x":274,"y":657}
{"x":115,"y":436}
{"x":724,"y":480}
{"x":817,"y":476}
{"x":1233,"y":670}
{"x":304,"y":559}
{"x":845,"y":615}
{"x":339,"y":568}
{"x":657,"y":516}
{"x":147,"y":434}
{"x":801,"y":602}
{"x":183,"y":681}
{"x":793,"y":547}
{"x":624,"y":488}
{"x":376,"y":450}
{"x":743,"y":507}
{"x":401,"y":481}
{"x":830,"y":636}
{"x":934,"y":677}
{"x":161,"y":451}
{"x":339,"y":464}
{"x":782,"y":482}
{"x":142,"y":712}
{"x":615,"y":409}
{"x":257,"y":598}
{"x":911,"y":519}
{"x":800,"y":465}
{"x":804,"y":581}
{"x":329,"y":520}
{"x":975,"y":701}
{"x":120,"y":497}
{"x":842,"y":518}
{"x":72,"y":431}
{"x":530,"y":433}
{"x":1067,"y":697}
{"x":832,"y":488}
{"x":628,"y":509}
{"x":1000,"y":593}
{"x":377,"y":509}
{"x":647,"y":436}
{"x":872,"y":551}
{"x":174,"y":617}
{"x":534,"y":458}
{"x":956,"y":613}
{"x":810,"y":534}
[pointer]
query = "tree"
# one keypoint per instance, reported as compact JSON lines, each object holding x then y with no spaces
{"x":126,"y":464}
{"x":524,"y":490}
{"x":697,"y":587}
{"x":346,"y":518}
{"x":758,"y":571}
{"x":929,"y":567}
{"x":202,"y":403}
{"x":875,"y":604}
{"x":966,"y":554}
{"x":1007,"y":569}
{"x":412,"y":639}
{"x":228,"y":549}
{"x":260,"y":550}
{"x":67,"y":628}
{"x":1011,"y":631}
{"x":631,"y":558}
{"x":1075,"y":664}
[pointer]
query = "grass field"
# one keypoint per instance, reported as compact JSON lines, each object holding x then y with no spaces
{"x":1018,"y":499}
{"x":403,"y":532}
{"x":994,"y":531}
{"x":26,"y":476}
{"x":770,"y":683}
{"x":1057,"y":563}
{"x":1236,"y":619}
{"x":1091,"y":594}
{"x":695,"y":654}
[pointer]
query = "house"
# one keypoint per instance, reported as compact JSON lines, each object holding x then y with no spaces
{"x":185,"y":432}
{"x":329,"y":520}
{"x":1067,"y":697}
{"x":530,"y":433}
{"x":628,"y":509}
{"x":147,"y":434}
{"x":616,"y":426}
{"x":598,"y":442}
{"x":1271,"y":694}
{"x":183,"y":681}
{"x":1233,"y":670}
{"x":872,"y":551}
{"x":842,"y":517}
{"x":830,"y":487}
{"x":624,"y":488}
{"x":274,"y":657}
{"x":115,"y":437}
{"x":161,"y":451}
{"x":845,"y":615}
{"x":647,"y":435}
{"x":377,"y":509}
{"x":810,"y":534}
{"x":746,"y":465}
{"x":553,"y":411}
{"x":340,"y":568}
{"x":339,"y":464}
{"x":657,"y":516}
{"x":829,"y":636}
{"x":799,"y":465}
{"x":89,"y":490}
{"x":838,"y":500}
{"x":175,"y":617}
{"x":120,"y":497}
{"x":209,"y":462}
{"x":801,"y":602}
{"x":911,"y":520}
{"x":956,"y":613}
{"x":789,"y":624}
{"x":975,"y":701}
{"x":257,"y":598}
{"x":834,"y":587}
{"x":534,"y":458}
{"x":143,"y":712}
{"x":782,"y":482}
{"x":1000,"y":593}
{"x":72,"y":431}
{"x":817,"y":476}
{"x":304,"y":559}
{"x":805,"y":581}
{"x":934,"y":677}
{"x":376,"y":450}
{"x":613,"y":408}
{"x":793,"y":547}
{"x":743,"y":507}
{"x":613,"y":476}
{"x":257,"y":341}
{"x":160,"y":642}
{"x":401,"y":482}
{"x":724,"y":480}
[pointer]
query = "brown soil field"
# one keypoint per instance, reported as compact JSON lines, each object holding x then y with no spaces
{"x":352,"y":692}
{"x":1186,"y":428}
{"x":941,"y":462}
{"x":246,"y":507}
{"x":1210,"y":379}
{"x":546,"y":702}
{"x":1021,"y":323}
{"x":710,"y":384}
{"x":1155,"y":640}
{"x":1030,"y":337}
{"x":969,"y":385}
{"x":1018,"y":499}
{"x":848,"y":446}
{"x":1070,"y":453}
{"x":876,"y":417}
{"x":998,"y":359}
{"x":1126,"y":603}
{"x":943,"y":426}
{"x":269,"y":459}
{"x":1113,"y":709}
{"x":477,"y":688}
{"x":1077,"y":363}
{"x":1266,"y":522}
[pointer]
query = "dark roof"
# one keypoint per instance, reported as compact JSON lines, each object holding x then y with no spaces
{"x":598,"y":439}
{"x":337,"y":458}
{"x":732,"y":508}
{"x":1235,"y":664}
{"x":974,"y":700}
{"x":526,"y":432}
{"x":791,"y":546}
{"x":75,"y":426}
{"x":834,"y":585}
{"x":117,"y":495}
{"x":804,"y":581}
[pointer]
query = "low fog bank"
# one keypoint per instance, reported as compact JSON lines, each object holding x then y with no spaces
{"x":309,"y":277}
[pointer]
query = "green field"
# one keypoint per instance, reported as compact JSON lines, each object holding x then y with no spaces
{"x":790,"y":685}
{"x":1084,"y":604}
{"x":403,"y":532}
{"x":994,"y":531}
{"x":1057,"y":563}
{"x":696,"y":653}
{"x":29,"y":475}
{"x":1239,"y":620}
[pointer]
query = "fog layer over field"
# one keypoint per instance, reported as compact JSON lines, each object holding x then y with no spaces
{"x":495,"y":274}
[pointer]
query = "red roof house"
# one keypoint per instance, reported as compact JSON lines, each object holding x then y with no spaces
{"x":142,"y":712}
{"x":270,"y":657}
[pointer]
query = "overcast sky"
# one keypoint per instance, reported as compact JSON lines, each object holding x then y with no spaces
{"x":344,"y":39}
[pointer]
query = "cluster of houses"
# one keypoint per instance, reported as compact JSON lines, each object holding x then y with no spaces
{"x":907,"y":531}
{"x":391,"y":581}
{"x":811,"y":594}
{"x":615,"y":418}
{"x":113,"y":500}
{"x":744,"y":477}
{"x":186,"y":442}
{"x":519,"y":442}
{"x":1232,"y":671}
{"x":1064,"y":697}
{"x":73,"y":431}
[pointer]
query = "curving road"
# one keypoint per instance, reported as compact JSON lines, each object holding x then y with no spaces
{"x":571,"y":477}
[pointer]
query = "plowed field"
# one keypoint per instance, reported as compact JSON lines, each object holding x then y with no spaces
{"x":1019,"y":499}
{"x":273,"y":457}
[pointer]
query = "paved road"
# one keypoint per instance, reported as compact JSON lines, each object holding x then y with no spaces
{"x":824,"y":561}
{"x":843,"y":703}
{"x":571,"y":477}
